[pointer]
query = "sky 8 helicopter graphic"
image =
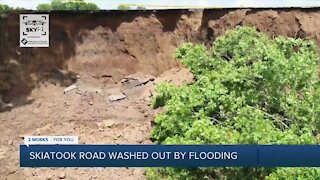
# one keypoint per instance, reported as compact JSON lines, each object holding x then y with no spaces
{"x":34,"y":30}
{"x":34,"y":22}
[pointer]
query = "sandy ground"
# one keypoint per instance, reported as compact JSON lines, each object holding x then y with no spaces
{"x":86,"y":112}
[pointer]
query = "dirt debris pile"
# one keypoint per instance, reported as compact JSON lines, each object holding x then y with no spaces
{"x":84,"y":109}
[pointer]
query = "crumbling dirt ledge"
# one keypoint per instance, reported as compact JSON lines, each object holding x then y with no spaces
{"x":118,"y":43}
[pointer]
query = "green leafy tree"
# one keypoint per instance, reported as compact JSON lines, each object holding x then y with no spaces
{"x":58,"y":5}
{"x":123,"y":7}
{"x":5,"y":8}
{"x":249,"y":89}
{"x":19,"y":9}
{"x":68,"y":5}
{"x":44,"y":7}
{"x":89,"y":6}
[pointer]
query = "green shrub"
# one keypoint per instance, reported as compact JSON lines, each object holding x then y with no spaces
{"x":44,"y":7}
{"x":295,"y":173}
{"x":68,"y":5}
{"x":123,"y":7}
{"x":5,"y":8}
{"x":249,"y":89}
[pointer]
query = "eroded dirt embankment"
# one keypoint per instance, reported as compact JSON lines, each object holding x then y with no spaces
{"x":118,"y":43}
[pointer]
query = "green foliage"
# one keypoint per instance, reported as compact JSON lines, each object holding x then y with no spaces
{"x":249,"y":89}
{"x":5,"y":8}
{"x":295,"y":173}
{"x":123,"y":7}
{"x":44,"y":7}
{"x":68,"y":5}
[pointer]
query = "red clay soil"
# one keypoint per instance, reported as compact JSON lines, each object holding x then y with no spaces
{"x":118,"y":43}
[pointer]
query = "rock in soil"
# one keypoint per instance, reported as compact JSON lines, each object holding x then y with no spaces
{"x":116,"y":97}
{"x":62,"y":175}
{"x":70,"y":88}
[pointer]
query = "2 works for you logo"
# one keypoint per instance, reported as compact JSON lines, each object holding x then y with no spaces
{"x":34,"y":30}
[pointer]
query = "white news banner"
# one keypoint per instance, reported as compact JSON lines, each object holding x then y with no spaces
{"x":40,"y":140}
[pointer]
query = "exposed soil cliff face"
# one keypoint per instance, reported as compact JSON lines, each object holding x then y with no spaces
{"x":120,"y":43}
{"x":292,"y":23}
